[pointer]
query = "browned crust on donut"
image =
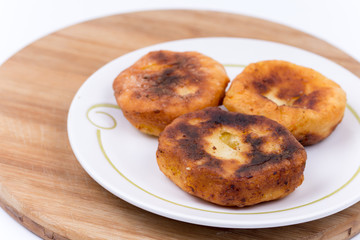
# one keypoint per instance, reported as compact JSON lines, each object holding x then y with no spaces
{"x":163,"y":85}
{"x":268,"y":165}
{"x":303,"y":100}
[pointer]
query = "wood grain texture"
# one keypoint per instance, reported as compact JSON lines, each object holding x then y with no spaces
{"x":41,"y":183}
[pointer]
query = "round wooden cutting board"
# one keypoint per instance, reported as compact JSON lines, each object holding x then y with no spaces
{"x":44,"y":187}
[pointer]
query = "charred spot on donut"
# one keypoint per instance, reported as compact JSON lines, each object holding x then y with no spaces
{"x":291,"y":92}
{"x":138,"y":95}
{"x":178,"y":61}
{"x":289,"y":150}
{"x":163,"y":83}
{"x":167,"y":78}
{"x":161,"y":57}
{"x":255,"y":142}
{"x":308,"y":101}
{"x":259,"y":158}
{"x":228,"y":119}
{"x":291,"y":85}
{"x":260,"y":87}
{"x":279,"y":131}
{"x":288,"y":86}
{"x":188,"y":131}
{"x":213,"y":163}
{"x":175,"y":70}
{"x":191,"y":145}
{"x":263,"y":85}
{"x":258,"y":161}
{"x":174,"y":59}
{"x":309,"y":139}
{"x":189,"y":141}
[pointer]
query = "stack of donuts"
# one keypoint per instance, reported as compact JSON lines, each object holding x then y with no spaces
{"x":247,"y":152}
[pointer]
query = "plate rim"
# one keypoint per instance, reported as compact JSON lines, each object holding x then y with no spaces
{"x":99,"y":179}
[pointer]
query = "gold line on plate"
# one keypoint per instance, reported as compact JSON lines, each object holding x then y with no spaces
{"x":101,"y":112}
{"x":235,"y":65}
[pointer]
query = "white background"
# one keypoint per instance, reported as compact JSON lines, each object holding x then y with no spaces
{"x":24,"y":21}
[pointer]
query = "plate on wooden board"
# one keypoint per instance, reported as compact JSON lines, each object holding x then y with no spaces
{"x":122,"y":159}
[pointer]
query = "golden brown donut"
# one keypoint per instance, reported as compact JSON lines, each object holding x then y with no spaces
{"x":231,"y":159}
{"x":163,"y":85}
{"x":303,"y":100}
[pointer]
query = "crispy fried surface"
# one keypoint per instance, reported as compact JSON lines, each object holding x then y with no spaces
{"x":163,"y":85}
{"x":301,"y":99}
{"x":231,"y":159}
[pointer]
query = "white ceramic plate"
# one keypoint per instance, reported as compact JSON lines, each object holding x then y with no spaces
{"x":123,"y":161}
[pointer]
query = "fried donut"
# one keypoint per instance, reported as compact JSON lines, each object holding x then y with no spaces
{"x":231,"y":159}
{"x":303,"y":100}
{"x":163,"y":85}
